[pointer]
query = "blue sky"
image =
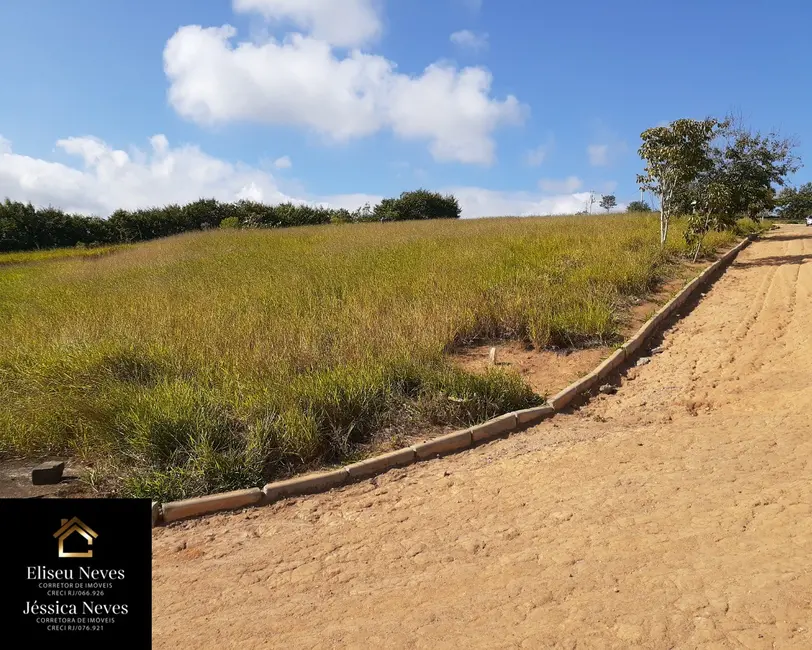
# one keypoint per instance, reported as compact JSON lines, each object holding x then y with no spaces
{"x":518,"y":106}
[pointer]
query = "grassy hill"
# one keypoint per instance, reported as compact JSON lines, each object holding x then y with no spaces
{"x":223,"y":359}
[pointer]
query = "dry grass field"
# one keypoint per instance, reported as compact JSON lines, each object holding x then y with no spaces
{"x":223,"y":359}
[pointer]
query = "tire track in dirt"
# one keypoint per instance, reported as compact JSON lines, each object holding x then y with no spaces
{"x":645,"y":519}
{"x":780,"y":303}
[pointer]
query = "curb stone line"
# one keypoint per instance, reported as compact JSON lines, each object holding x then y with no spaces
{"x":449,"y":443}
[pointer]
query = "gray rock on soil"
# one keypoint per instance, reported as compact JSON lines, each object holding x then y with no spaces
{"x":47,"y":473}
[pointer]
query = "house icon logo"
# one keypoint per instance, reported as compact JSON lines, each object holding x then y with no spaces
{"x":68,"y":528}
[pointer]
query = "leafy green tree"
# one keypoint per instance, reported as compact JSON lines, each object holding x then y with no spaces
{"x":795,"y":203}
{"x":420,"y":204}
{"x":749,"y":164}
{"x":675,"y":155}
{"x":638,"y":206}
{"x":204,"y":213}
{"x":608,"y":201}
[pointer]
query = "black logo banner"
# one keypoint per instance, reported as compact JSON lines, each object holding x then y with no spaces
{"x":77,"y":572}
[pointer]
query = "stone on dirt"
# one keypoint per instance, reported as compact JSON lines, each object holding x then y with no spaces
{"x":608,"y":389}
{"x":48,"y":473}
{"x":642,"y":362}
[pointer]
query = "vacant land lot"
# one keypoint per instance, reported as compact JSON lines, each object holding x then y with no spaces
{"x":222,"y":359}
{"x":674,"y":514}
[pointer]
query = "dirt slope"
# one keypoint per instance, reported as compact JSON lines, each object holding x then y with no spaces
{"x":675,"y":514}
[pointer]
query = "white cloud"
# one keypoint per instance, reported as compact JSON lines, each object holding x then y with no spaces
{"x":537,"y":156}
{"x":606,"y":147}
{"x":452,"y":110}
{"x":349,"y":201}
{"x":283,"y":163}
{"x":478,"y":202}
{"x":300,"y":81}
{"x":469,"y":40}
{"x":107,"y":179}
{"x":598,"y":154}
{"x":560,"y":186}
{"x":343,"y":23}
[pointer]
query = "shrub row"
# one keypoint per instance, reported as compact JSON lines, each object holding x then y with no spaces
{"x":25,"y":227}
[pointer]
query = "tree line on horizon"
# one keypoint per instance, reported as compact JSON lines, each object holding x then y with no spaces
{"x":26,"y":227}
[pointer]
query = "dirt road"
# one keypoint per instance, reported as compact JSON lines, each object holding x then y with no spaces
{"x":674,"y":514}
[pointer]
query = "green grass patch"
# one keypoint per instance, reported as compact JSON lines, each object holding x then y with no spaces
{"x":224,"y":359}
{"x":46,"y":255}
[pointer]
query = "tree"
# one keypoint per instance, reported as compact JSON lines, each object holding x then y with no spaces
{"x":749,"y":164}
{"x":746,"y":166}
{"x":795,"y":203}
{"x":638,"y":206}
{"x":608,"y":201}
{"x":420,"y":204}
{"x":590,"y":202}
{"x":711,"y":211}
{"x":675,"y":155}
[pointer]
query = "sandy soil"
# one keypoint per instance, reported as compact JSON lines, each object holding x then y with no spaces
{"x":674,"y":514}
{"x":545,"y":371}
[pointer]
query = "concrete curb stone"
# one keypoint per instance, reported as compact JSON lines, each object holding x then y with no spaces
{"x":609,"y":365}
{"x":380,"y":464}
{"x":446,"y":444}
{"x":494,"y":428}
{"x":307,"y":484}
{"x":176,"y":510}
{"x":527,"y":417}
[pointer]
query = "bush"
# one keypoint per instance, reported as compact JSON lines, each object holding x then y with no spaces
{"x":420,"y":204}
{"x":363,"y":214}
{"x":638,"y":206}
{"x":748,"y":226}
{"x":230,"y":222}
{"x":341,"y":216}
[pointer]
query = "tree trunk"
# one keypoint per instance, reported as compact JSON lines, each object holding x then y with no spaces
{"x":698,"y":248}
{"x":663,"y":220}
{"x":702,"y":237}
